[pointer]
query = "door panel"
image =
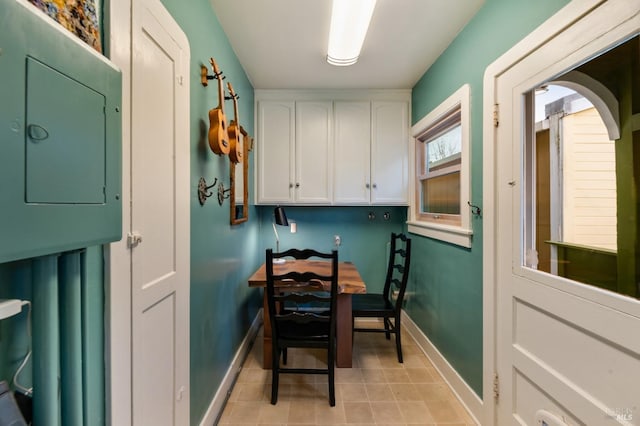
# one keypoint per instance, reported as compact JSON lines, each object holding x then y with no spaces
{"x":155,"y":405}
{"x":154,"y":191}
{"x":159,"y":215}
{"x":565,"y":349}
{"x":576,"y":353}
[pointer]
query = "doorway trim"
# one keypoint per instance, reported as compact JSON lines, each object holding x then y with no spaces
{"x":557,"y":23}
{"x":118,"y":409}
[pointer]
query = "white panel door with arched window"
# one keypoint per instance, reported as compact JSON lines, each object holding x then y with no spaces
{"x":566,"y":321}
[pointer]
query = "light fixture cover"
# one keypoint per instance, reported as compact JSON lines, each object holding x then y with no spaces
{"x":349,"y":24}
{"x":280,"y":216}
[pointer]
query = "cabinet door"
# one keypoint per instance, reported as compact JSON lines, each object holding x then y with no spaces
{"x":314,"y":152}
{"x":275,"y":146}
{"x":352,"y":140}
{"x":389,"y":152}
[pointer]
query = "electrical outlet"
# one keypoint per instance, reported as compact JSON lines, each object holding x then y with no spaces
{"x":336,"y":240}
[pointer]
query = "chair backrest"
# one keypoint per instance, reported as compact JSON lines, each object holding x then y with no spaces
{"x":398,"y":268}
{"x":290,"y":304}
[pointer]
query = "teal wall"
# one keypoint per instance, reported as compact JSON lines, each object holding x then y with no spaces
{"x":223,"y":257}
{"x":447,"y":279}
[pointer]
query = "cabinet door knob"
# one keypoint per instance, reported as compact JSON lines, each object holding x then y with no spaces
{"x":366,"y":185}
{"x":290,"y":185}
{"x":375,"y":186}
{"x":297,"y":185}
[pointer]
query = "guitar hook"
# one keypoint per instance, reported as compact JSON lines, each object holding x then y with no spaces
{"x":205,"y":77}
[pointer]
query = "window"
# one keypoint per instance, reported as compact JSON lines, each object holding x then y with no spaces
{"x":439,"y":209}
{"x":579,"y":196}
{"x":439,"y":174}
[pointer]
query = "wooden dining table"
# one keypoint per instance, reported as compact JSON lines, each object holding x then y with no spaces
{"x":349,"y":282}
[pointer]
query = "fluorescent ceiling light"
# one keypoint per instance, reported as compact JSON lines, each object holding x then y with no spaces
{"x":349,"y":23}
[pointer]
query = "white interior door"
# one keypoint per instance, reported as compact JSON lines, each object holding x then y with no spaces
{"x":566,"y":353}
{"x":159,"y":218}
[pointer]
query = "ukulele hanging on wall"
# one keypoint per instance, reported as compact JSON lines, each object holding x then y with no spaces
{"x":235,"y":153}
{"x":218,"y":133}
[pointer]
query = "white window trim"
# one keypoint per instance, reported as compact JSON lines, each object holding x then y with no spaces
{"x":459,"y":235}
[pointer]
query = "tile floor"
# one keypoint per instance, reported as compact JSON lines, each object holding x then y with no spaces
{"x":377,"y":390}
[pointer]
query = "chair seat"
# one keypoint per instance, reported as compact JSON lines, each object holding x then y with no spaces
{"x":370,"y":303}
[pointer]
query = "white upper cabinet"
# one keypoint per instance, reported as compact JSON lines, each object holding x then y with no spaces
{"x":371,"y":153}
{"x":352,"y":166}
{"x":389,"y":152}
{"x":275,"y":151}
{"x":295,"y":152}
{"x":313,"y":152}
{"x":332,"y":148}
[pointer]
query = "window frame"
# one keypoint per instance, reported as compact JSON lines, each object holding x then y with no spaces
{"x":455,"y":229}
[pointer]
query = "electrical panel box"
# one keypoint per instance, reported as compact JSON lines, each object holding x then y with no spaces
{"x":60,"y":138}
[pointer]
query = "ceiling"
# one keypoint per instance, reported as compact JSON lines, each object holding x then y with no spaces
{"x":282,"y":44}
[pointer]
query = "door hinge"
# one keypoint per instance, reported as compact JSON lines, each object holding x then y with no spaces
{"x":496,"y":386}
{"x":496,"y":115}
{"x":133,"y":239}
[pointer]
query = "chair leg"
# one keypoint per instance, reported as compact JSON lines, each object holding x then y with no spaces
{"x":275,"y":374}
{"x":284,"y":356}
{"x":332,"y":390}
{"x":398,"y":342}
{"x":387,"y":326}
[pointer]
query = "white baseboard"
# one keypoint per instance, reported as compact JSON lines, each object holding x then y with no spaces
{"x":220,"y":398}
{"x":461,"y":389}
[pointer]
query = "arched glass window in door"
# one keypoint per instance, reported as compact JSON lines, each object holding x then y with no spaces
{"x":582,"y":166}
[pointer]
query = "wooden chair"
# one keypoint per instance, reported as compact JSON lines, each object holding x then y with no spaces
{"x":293,"y":324}
{"x":375,"y":305}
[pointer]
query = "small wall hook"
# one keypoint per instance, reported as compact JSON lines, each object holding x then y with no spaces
{"x":203,"y":190}
{"x":474,"y":209}
{"x":223,"y":194}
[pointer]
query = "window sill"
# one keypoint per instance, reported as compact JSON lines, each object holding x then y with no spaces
{"x":451,"y":234}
